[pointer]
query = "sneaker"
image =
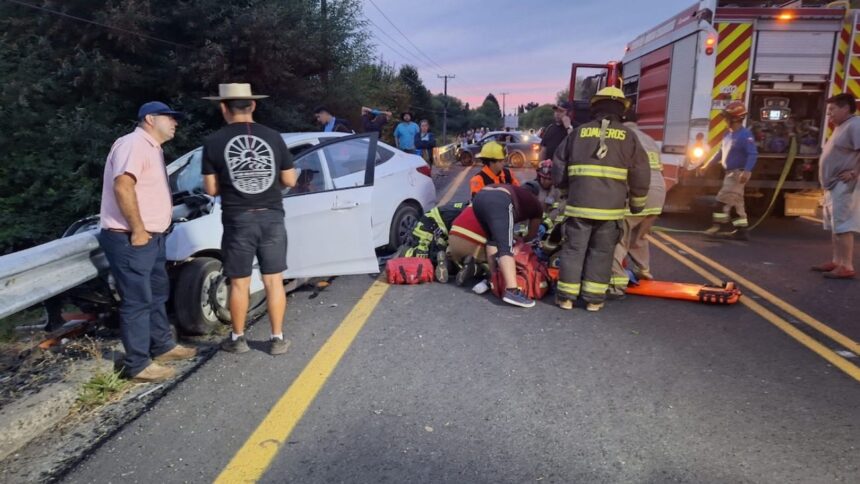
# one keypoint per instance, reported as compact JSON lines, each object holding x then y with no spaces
{"x":154,"y":373}
{"x":644,"y":274}
{"x":442,"y":266}
{"x":469,"y":271}
{"x":481,"y":287}
{"x":238,"y":346}
{"x":826,"y":267}
{"x":516,"y":297}
{"x":594,"y":307}
{"x":278,"y":346}
{"x":565,"y":304}
{"x":840,"y":273}
{"x":178,"y":352}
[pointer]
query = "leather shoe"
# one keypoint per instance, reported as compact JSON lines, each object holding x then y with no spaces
{"x":178,"y":352}
{"x":154,"y":373}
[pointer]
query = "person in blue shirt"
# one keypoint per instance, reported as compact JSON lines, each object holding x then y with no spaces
{"x":329,"y":122}
{"x":404,"y":133}
{"x":739,"y":155}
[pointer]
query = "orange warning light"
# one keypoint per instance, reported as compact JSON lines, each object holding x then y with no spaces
{"x":786,"y":16}
{"x":710,"y":41}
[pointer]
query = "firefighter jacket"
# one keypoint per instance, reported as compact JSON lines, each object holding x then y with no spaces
{"x":431,"y":232}
{"x":604,"y":168}
{"x":486,"y":177}
{"x":657,"y":188}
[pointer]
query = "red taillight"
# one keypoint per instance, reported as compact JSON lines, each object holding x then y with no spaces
{"x":535,"y":147}
{"x":425,"y":170}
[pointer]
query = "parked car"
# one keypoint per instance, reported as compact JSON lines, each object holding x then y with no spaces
{"x":354,"y":194}
{"x":520,"y":148}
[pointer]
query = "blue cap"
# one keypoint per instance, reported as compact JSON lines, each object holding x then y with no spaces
{"x":157,"y":107}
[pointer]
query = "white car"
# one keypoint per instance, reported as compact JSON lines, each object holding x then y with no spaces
{"x":354,"y":194}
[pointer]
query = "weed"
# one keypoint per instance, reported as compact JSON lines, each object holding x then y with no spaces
{"x":101,"y":389}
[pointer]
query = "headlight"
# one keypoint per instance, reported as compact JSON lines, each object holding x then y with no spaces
{"x":698,"y":152}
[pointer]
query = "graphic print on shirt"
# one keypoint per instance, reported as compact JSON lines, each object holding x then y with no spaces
{"x":251,"y":163}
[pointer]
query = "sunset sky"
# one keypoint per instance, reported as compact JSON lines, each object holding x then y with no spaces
{"x":524,"y":48}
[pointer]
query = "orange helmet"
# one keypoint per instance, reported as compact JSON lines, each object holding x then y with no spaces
{"x":735,"y":109}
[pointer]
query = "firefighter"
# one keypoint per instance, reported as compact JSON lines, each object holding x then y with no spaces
{"x":633,"y":242}
{"x":494,"y":172}
{"x":604,"y":167}
{"x":739,"y":154}
{"x":430,"y":237}
{"x":549,"y":196}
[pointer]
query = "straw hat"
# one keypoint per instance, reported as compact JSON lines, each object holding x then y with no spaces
{"x":234,"y":91}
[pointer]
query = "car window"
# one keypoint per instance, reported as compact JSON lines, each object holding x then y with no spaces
{"x":310,"y":175}
{"x":298,"y":149}
{"x":189,"y":177}
{"x":383,"y":155}
{"x":346,"y":158}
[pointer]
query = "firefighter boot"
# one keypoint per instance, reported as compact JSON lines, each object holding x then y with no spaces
{"x":442,"y":266}
{"x":740,"y":233}
{"x":594,"y":307}
{"x":563,"y":303}
{"x":468,"y":272}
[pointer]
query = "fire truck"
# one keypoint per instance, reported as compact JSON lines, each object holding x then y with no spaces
{"x":783,"y":62}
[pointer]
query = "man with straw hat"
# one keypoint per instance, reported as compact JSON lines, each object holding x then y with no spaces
{"x":248,"y":164}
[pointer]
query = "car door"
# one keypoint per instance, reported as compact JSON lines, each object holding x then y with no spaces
{"x":329,"y":228}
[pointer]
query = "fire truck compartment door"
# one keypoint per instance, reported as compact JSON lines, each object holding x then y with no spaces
{"x":792,"y":52}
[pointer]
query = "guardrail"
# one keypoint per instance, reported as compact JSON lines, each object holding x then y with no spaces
{"x":33,"y":275}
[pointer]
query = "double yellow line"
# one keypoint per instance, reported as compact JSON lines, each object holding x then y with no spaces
{"x":831,"y":356}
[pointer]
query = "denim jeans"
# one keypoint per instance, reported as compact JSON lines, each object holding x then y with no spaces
{"x":141,"y":280}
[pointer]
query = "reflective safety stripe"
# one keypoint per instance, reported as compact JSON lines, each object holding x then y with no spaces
{"x":721,"y":217}
{"x":594,"y":213}
{"x":468,"y":233}
{"x":594,"y":287}
{"x":599,"y":171}
{"x":740,"y":222}
{"x":437,"y":217}
{"x":568,"y":288}
{"x":619,"y":281}
{"x":645,"y":212}
{"x":654,"y":161}
{"x":638,"y":201}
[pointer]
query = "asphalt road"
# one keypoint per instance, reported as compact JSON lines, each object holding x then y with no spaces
{"x":442,"y":385}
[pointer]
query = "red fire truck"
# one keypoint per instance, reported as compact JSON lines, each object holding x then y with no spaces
{"x":783,"y":62}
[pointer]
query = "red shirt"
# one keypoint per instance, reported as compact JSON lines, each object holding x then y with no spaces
{"x":466,"y":226}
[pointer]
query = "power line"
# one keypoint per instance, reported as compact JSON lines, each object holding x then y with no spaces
{"x":93,"y":22}
{"x":400,"y":54}
{"x":405,"y":37}
{"x":409,"y":55}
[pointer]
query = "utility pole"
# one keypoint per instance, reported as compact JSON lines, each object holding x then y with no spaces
{"x":445,"y":108}
{"x":504,"y":94}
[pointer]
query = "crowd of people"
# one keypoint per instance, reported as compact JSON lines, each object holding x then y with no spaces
{"x":593,"y":200}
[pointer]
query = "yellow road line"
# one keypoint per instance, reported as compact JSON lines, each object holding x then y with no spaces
{"x":812,"y":219}
{"x":745,"y":283}
{"x":454,"y":186}
{"x":251,"y":461}
{"x":802,"y":338}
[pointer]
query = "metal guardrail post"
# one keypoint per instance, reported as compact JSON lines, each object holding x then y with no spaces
{"x":33,"y":275}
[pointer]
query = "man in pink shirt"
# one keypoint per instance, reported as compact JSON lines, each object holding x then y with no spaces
{"x":136,"y":211}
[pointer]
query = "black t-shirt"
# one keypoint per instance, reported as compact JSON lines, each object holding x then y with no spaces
{"x":248,"y":159}
{"x":553,"y":135}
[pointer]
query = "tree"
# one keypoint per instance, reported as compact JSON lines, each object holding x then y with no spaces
{"x":528,"y":107}
{"x":68,"y":88}
{"x":537,"y":118}
{"x":421,"y":102}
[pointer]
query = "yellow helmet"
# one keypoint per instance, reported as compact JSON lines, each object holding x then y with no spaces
{"x":492,"y":151}
{"x":611,"y":94}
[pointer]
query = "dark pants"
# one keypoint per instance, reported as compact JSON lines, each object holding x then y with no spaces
{"x":142,"y":283}
{"x":495,"y":212}
{"x":586,"y":258}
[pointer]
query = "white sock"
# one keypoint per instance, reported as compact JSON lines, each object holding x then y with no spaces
{"x":278,"y":336}
{"x":234,"y":336}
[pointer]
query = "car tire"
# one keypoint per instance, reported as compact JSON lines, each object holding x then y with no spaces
{"x":402,"y":223}
{"x":194,"y":297}
{"x":466,"y":159}
{"x":517,"y":160}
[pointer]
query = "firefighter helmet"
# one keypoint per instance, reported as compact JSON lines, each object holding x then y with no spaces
{"x":545,"y":169}
{"x":611,"y":94}
{"x":735,"y":109}
{"x":492,"y":151}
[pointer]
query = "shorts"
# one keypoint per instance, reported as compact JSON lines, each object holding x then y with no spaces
{"x":256,"y":233}
{"x":842,"y":208}
{"x":495,"y":212}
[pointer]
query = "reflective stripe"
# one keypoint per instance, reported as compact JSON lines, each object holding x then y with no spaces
{"x":568,"y":288}
{"x":619,"y":281}
{"x":654,"y":161}
{"x":437,"y":217}
{"x":645,"y":212}
{"x":594,"y":213}
{"x":594,"y":287}
{"x":638,"y":201}
{"x":721,"y":217}
{"x":468,"y":234}
{"x":740,"y":222}
{"x":599,"y":171}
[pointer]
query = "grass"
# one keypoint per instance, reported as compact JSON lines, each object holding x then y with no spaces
{"x":101,"y":389}
{"x":9,"y":323}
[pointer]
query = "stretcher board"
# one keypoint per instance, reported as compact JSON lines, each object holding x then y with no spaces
{"x":728,"y":293}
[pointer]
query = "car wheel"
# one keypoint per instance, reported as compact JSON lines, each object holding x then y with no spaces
{"x":402,"y":223}
{"x":518,"y":160}
{"x":200,"y":296}
{"x":466,"y":159}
